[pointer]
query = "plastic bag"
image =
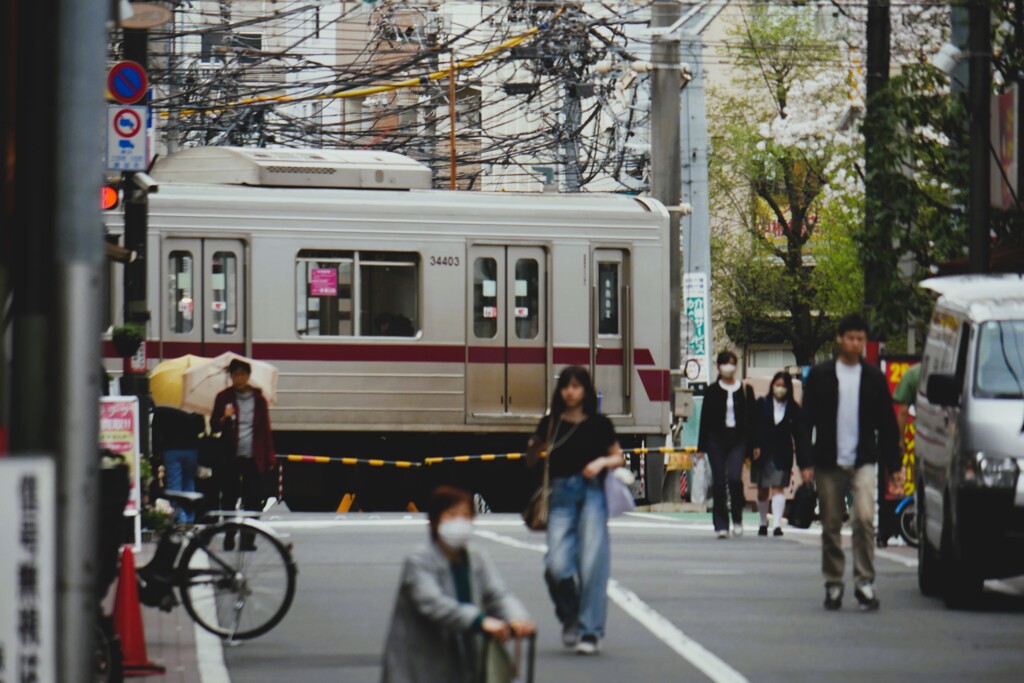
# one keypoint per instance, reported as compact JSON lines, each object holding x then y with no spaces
{"x":701,"y":480}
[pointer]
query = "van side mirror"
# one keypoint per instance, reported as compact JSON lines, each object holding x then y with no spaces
{"x":943,"y":390}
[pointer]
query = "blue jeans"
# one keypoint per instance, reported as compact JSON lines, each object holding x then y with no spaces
{"x":180,"y":468}
{"x":578,"y":560}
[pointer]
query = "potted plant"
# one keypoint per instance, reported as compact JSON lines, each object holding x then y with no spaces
{"x":128,"y":338}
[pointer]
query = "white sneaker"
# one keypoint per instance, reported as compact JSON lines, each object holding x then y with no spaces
{"x":737,"y":530}
{"x":723,"y":534}
{"x":588,"y":645}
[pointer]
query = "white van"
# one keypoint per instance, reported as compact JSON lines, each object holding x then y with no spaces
{"x":970,"y":436}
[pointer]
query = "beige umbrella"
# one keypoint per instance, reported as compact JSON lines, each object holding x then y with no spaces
{"x":201,"y":384}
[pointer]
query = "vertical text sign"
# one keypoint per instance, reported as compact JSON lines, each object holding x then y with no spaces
{"x":28,"y":583}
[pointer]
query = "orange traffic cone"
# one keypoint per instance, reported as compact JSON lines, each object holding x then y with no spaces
{"x":128,"y":621}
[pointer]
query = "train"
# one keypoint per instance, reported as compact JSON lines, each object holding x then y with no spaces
{"x":406,"y":322}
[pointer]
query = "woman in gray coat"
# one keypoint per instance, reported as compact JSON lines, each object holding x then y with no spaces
{"x":449,"y":594}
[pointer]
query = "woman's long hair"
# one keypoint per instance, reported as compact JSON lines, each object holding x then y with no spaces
{"x":787,"y":380}
{"x":581,"y":375}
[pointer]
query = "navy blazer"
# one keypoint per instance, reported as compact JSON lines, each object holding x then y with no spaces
{"x":878,"y":440}
{"x":781,"y":441}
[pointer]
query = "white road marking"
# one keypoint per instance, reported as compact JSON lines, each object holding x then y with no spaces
{"x":209,"y":648}
{"x":663,"y":629}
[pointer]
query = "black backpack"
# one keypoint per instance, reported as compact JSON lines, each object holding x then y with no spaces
{"x":801,"y":512}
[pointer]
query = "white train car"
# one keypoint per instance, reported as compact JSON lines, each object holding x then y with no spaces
{"x":403,"y":318}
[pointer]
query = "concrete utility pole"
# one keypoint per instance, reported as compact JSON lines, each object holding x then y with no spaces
{"x":877,"y":79}
{"x":570,"y":149}
{"x":979,"y":97}
{"x":665,"y":153}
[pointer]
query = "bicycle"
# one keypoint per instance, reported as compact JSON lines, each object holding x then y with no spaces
{"x":233,"y":590}
{"x":906,"y":516}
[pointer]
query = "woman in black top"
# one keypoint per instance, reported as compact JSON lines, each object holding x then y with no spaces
{"x":779,"y":439}
{"x":728,"y":430}
{"x":581,"y":445}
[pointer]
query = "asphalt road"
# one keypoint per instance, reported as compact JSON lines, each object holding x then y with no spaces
{"x":683,"y":607}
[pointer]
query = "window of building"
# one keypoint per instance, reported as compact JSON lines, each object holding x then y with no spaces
{"x":216,"y":46}
{"x":382,"y":301}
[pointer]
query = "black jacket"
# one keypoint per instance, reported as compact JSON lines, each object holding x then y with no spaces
{"x":175,"y":429}
{"x":878,"y":440}
{"x":780,"y":441}
{"x":712,"y":415}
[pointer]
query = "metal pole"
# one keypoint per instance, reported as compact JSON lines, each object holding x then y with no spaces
{"x":875,"y":274}
{"x":979,"y":95}
{"x":665,"y":153}
{"x":81,"y":51}
{"x":453,"y":175}
{"x":570,"y":152}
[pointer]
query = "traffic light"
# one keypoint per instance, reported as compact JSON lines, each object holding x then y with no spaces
{"x":110,"y":197}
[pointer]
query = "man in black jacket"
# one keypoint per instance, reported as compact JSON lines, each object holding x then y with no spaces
{"x":848,"y":411}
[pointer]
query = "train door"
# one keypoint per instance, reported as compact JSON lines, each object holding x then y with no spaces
{"x":203,"y":307}
{"x":507,"y":359}
{"x":610,"y":331}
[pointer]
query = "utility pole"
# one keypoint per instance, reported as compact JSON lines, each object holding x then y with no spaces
{"x":877,"y":80}
{"x":979,"y":98}
{"x":666,"y":182}
{"x":570,"y":124}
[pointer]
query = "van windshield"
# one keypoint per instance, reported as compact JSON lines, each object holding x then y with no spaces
{"x":1000,"y":368}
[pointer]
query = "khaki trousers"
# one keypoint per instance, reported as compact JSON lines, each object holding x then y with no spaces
{"x":832,"y":486}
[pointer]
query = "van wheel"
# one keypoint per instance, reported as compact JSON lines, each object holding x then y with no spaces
{"x":929,"y":568}
{"x":963,"y":585}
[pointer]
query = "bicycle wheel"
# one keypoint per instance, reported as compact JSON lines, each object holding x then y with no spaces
{"x":240,"y":592}
{"x":908,"y":524}
{"x":109,"y":661}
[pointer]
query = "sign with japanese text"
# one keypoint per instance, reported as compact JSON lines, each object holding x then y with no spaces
{"x":697,"y":352}
{"x":127,"y":142}
{"x":894,"y":369}
{"x":323,"y":282}
{"x":119,"y":431}
{"x":28,"y":566}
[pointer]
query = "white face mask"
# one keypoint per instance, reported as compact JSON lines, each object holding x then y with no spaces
{"x":455,"y":532}
{"x":727,"y":370}
{"x":780,"y":392}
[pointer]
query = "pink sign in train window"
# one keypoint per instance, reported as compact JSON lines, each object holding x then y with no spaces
{"x":323,"y":282}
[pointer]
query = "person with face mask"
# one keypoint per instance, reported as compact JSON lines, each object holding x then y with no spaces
{"x":779,"y":438}
{"x":450,"y":593}
{"x":727,"y":435}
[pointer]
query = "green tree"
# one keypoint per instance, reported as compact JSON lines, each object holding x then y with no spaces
{"x":784,"y":188}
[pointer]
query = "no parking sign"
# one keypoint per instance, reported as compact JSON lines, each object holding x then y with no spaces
{"x":126,"y":138}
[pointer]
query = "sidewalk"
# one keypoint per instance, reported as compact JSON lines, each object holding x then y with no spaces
{"x":170,"y":637}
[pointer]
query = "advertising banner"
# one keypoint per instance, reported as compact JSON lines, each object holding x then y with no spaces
{"x":697,"y":352}
{"x":119,"y":432}
{"x":894,"y":369}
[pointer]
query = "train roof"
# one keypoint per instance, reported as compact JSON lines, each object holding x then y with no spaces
{"x":321,"y":168}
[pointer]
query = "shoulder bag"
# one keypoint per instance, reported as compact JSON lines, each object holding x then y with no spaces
{"x":535,"y":514}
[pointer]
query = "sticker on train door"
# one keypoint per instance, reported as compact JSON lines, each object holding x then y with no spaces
{"x":522,"y":312}
{"x":490,"y":311}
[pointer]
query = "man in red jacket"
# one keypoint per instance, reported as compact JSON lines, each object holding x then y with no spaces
{"x":242,"y":413}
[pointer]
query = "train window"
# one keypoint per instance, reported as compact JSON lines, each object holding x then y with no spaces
{"x":526,"y":307}
{"x":324,"y":293}
{"x":181,"y":309}
{"x":485,"y":298}
{"x":608,"y":298}
{"x":224,"y":281}
{"x":388,"y":294}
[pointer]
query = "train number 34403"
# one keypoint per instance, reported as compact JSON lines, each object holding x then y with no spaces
{"x":452,"y":261}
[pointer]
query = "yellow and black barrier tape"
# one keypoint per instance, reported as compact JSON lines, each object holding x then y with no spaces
{"x":372,"y":462}
{"x":676,"y":462}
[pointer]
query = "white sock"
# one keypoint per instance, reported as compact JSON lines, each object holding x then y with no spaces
{"x":778,"y":508}
{"x":762,"y":507}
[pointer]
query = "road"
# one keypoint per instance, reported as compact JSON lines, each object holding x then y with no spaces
{"x":684,"y":607}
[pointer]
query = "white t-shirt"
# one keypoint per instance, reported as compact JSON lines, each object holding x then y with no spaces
{"x":848,"y":417}
{"x":730,"y":402}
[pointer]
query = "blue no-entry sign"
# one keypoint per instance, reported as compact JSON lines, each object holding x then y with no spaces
{"x":127,"y":82}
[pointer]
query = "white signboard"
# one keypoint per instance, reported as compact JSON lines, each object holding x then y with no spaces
{"x":696,"y":307}
{"x":119,"y":431}
{"x":28,"y":565}
{"x":126,"y":138}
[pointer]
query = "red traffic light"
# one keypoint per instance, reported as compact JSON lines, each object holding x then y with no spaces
{"x":109,"y":197}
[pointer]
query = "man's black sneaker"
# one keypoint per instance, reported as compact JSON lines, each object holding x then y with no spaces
{"x":833,"y":597}
{"x":778,"y":531}
{"x":762,"y":530}
{"x":866,"y":597}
